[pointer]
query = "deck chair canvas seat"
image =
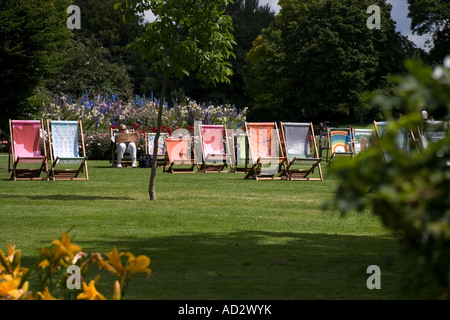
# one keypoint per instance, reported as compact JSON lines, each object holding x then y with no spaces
{"x":179,"y":155}
{"x":214,"y":155}
{"x":267,"y":157}
{"x":26,"y":161}
{"x":150,"y":145}
{"x":65,"y":137}
{"x":297,"y":141}
{"x":340,"y":142}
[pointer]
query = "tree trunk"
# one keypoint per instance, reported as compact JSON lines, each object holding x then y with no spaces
{"x":151,"y":187}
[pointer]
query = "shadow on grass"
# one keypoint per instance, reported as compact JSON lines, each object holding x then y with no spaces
{"x":64,"y":197}
{"x":258,"y":265}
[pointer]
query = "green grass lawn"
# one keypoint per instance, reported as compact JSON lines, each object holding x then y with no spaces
{"x":210,"y":236}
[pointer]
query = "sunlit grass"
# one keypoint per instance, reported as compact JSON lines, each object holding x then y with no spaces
{"x":210,"y":235}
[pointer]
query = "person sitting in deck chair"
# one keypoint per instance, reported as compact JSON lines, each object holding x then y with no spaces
{"x":123,"y":147}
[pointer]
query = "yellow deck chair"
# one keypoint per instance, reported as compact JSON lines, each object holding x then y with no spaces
{"x":179,"y":155}
{"x":297,"y":140}
{"x":267,"y":157}
{"x":26,"y":161}
{"x":65,"y":137}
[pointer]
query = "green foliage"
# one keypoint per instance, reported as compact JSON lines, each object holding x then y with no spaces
{"x":432,"y":16}
{"x":324,"y":58}
{"x":88,"y":67}
{"x":410,"y":192}
{"x":33,"y":35}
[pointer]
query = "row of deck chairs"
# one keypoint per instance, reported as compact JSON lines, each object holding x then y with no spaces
{"x":32,"y":147}
{"x":263,"y":151}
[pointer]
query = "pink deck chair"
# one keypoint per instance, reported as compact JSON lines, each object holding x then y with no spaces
{"x":215,"y":157}
{"x":28,"y":163}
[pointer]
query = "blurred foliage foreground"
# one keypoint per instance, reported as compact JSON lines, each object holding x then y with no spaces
{"x":408,"y":190}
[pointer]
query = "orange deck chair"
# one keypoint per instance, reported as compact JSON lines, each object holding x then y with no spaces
{"x":267,"y":157}
{"x":179,"y":155}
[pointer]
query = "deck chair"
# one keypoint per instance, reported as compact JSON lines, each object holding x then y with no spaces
{"x":26,"y":161}
{"x":179,"y":155}
{"x":432,"y":131}
{"x":214,"y":154}
{"x":297,"y":148}
{"x":402,"y":140}
{"x":362,"y":139}
{"x":340,"y":142}
{"x":267,"y":156}
{"x":241,"y":152}
{"x":150,"y":144}
{"x":66,"y":162}
{"x":129,"y":136}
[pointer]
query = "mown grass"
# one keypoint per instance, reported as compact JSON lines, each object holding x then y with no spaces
{"x":211,"y":236}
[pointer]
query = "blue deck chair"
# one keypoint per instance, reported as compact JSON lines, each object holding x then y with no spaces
{"x":65,"y":137}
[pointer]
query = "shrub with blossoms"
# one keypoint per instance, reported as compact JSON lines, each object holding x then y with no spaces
{"x":55,"y":282}
{"x":102,"y":112}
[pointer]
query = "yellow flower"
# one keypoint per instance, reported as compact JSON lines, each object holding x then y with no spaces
{"x":9,"y":287}
{"x":138,"y":265}
{"x":11,"y":264}
{"x":114,"y":264}
{"x":65,"y":247}
{"x":46,"y":295}
{"x":117,"y":291}
{"x":90,"y":292}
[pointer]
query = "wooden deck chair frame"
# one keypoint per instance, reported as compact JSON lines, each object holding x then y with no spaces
{"x":58,"y":170}
{"x":179,"y":164}
{"x":149,"y":145}
{"x":130,"y":136}
{"x":349,"y":150}
{"x":312,"y":160}
{"x":409,"y":135}
{"x":16,"y":160}
{"x":215,"y":161}
{"x":258,"y":169}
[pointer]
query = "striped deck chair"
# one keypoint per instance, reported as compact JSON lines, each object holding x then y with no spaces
{"x":297,"y":140}
{"x":179,"y":155}
{"x":214,"y":154}
{"x":340,"y":142}
{"x":267,"y":156}
{"x":25,"y":157}
{"x":150,"y":145}
{"x":65,"y":137}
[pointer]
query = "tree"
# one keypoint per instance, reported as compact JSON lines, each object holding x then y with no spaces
{"x":410,"y":193}
{"x":188,"y":36}
{"x":33,"y":35}
{"x":432,"y":17}
{"x":329,"y":59}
